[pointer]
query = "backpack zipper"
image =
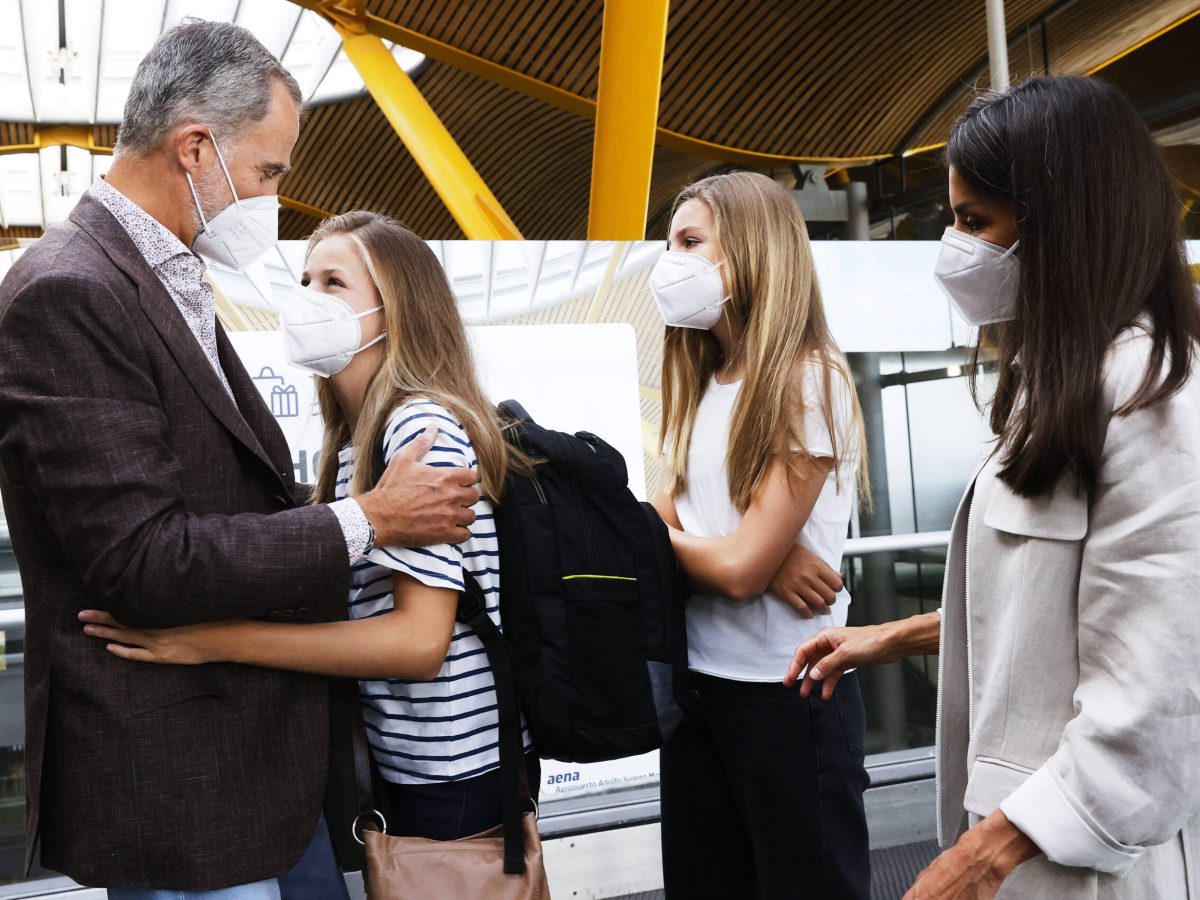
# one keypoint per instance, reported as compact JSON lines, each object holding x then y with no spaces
{"x":599,"y":577}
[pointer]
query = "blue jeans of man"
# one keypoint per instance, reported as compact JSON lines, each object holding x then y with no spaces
{"x":315,"y":877}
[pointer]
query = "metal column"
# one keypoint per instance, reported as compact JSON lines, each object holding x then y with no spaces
{"x":997,"y":44}
{"x":455,"y":180}
{"x":877,"y":591}
{"x":631,"y":61}
{"x":858,"y":215}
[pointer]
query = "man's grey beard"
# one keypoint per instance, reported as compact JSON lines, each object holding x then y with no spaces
{"x":213,"y":191}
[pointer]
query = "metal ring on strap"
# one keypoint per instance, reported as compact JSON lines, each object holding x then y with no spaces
{"x":355,"y":829}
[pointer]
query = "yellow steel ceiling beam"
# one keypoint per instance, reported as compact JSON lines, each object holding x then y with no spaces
{"x":541,"y":90}
{"x":315,"y":211}
{"x":631,"y":61}
{"x":458,"y":58}
{"x":470,"y":201}
{"x":82,"y":136}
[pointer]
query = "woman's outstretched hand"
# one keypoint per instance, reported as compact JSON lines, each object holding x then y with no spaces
{"x":178,"y":646}
{"x":833,"y":651}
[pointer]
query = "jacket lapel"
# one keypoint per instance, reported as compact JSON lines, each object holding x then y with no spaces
{"x":168,"y":321}
{"x":254,"y":410}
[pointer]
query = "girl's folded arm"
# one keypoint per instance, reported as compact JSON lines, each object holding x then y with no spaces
{"x":740,"y":565}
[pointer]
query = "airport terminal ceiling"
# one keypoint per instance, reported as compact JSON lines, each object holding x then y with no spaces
{"x":867,"y":89}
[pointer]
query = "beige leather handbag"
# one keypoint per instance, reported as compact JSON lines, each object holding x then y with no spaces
{"x":408,"y":868}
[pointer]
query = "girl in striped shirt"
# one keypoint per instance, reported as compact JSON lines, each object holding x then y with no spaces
{"x":428,"y":696}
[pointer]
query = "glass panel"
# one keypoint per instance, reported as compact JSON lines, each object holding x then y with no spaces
{"x":12,"y":718}
{"x":15,"y":101}
{"x":20,"y":189}
{"x":129,"y":30}
{"x":925,"y":436}
{"x":62,"y":79}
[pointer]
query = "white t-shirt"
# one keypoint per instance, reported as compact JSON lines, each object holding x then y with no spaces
{"x":754,"y":640}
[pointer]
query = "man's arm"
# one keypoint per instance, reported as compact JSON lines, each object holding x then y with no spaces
{"x":82,"y":427}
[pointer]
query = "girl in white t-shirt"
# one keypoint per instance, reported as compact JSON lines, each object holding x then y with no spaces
{"x":762,"y":437}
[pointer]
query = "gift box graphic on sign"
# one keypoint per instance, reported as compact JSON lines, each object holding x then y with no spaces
{"x":279,"y":396}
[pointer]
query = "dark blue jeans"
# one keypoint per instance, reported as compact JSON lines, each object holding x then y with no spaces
{"x":762,"y":794}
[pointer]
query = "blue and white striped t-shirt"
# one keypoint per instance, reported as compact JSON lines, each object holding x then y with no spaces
{"x":445,"y":729}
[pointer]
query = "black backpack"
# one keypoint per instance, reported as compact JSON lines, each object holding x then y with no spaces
{"x":591,"y":600}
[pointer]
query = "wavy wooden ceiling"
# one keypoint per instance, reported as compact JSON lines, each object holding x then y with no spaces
{"x":1077,"y":38}
{"x":838,"y":78}
{"x":815,"y":78}
{"x":535,"y":158}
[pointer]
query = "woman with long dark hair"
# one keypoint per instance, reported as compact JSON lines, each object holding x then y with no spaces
{"x":1069,"y":679}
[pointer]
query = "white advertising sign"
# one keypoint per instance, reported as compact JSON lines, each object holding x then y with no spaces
{"x":568,"y":377}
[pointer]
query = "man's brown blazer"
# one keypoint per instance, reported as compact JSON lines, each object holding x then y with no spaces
{"x":132,"y":482}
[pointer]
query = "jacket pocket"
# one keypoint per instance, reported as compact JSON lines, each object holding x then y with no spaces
{"x":150,"y":687}
{"x":1004,"y":764}
{"x":990,"y":781}
{"x":1063,"y":516}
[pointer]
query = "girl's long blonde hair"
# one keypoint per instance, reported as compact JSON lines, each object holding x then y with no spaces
{"x":775,"y":303}
{"x":427,"y":354}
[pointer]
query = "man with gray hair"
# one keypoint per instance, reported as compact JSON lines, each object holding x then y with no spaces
{"x":142,"y":474}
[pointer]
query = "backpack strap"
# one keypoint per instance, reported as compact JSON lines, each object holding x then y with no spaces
{"x":514,"y":411}
{"x":472,"y":610}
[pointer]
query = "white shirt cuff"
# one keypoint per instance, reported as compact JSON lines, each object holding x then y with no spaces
{"x":1044,"y":810}
{"x":355,"y":527}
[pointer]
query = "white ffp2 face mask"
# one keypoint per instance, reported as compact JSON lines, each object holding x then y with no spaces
{"x":321,"y":333}
{"x":980,"y":278}
{"x":240,"y":233}
{"x":688,"y":290}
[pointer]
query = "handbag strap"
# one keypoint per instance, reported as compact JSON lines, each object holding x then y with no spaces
{"x":472,"y":611}
{"x":362,"y":773}
{"x":514,"y":785}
